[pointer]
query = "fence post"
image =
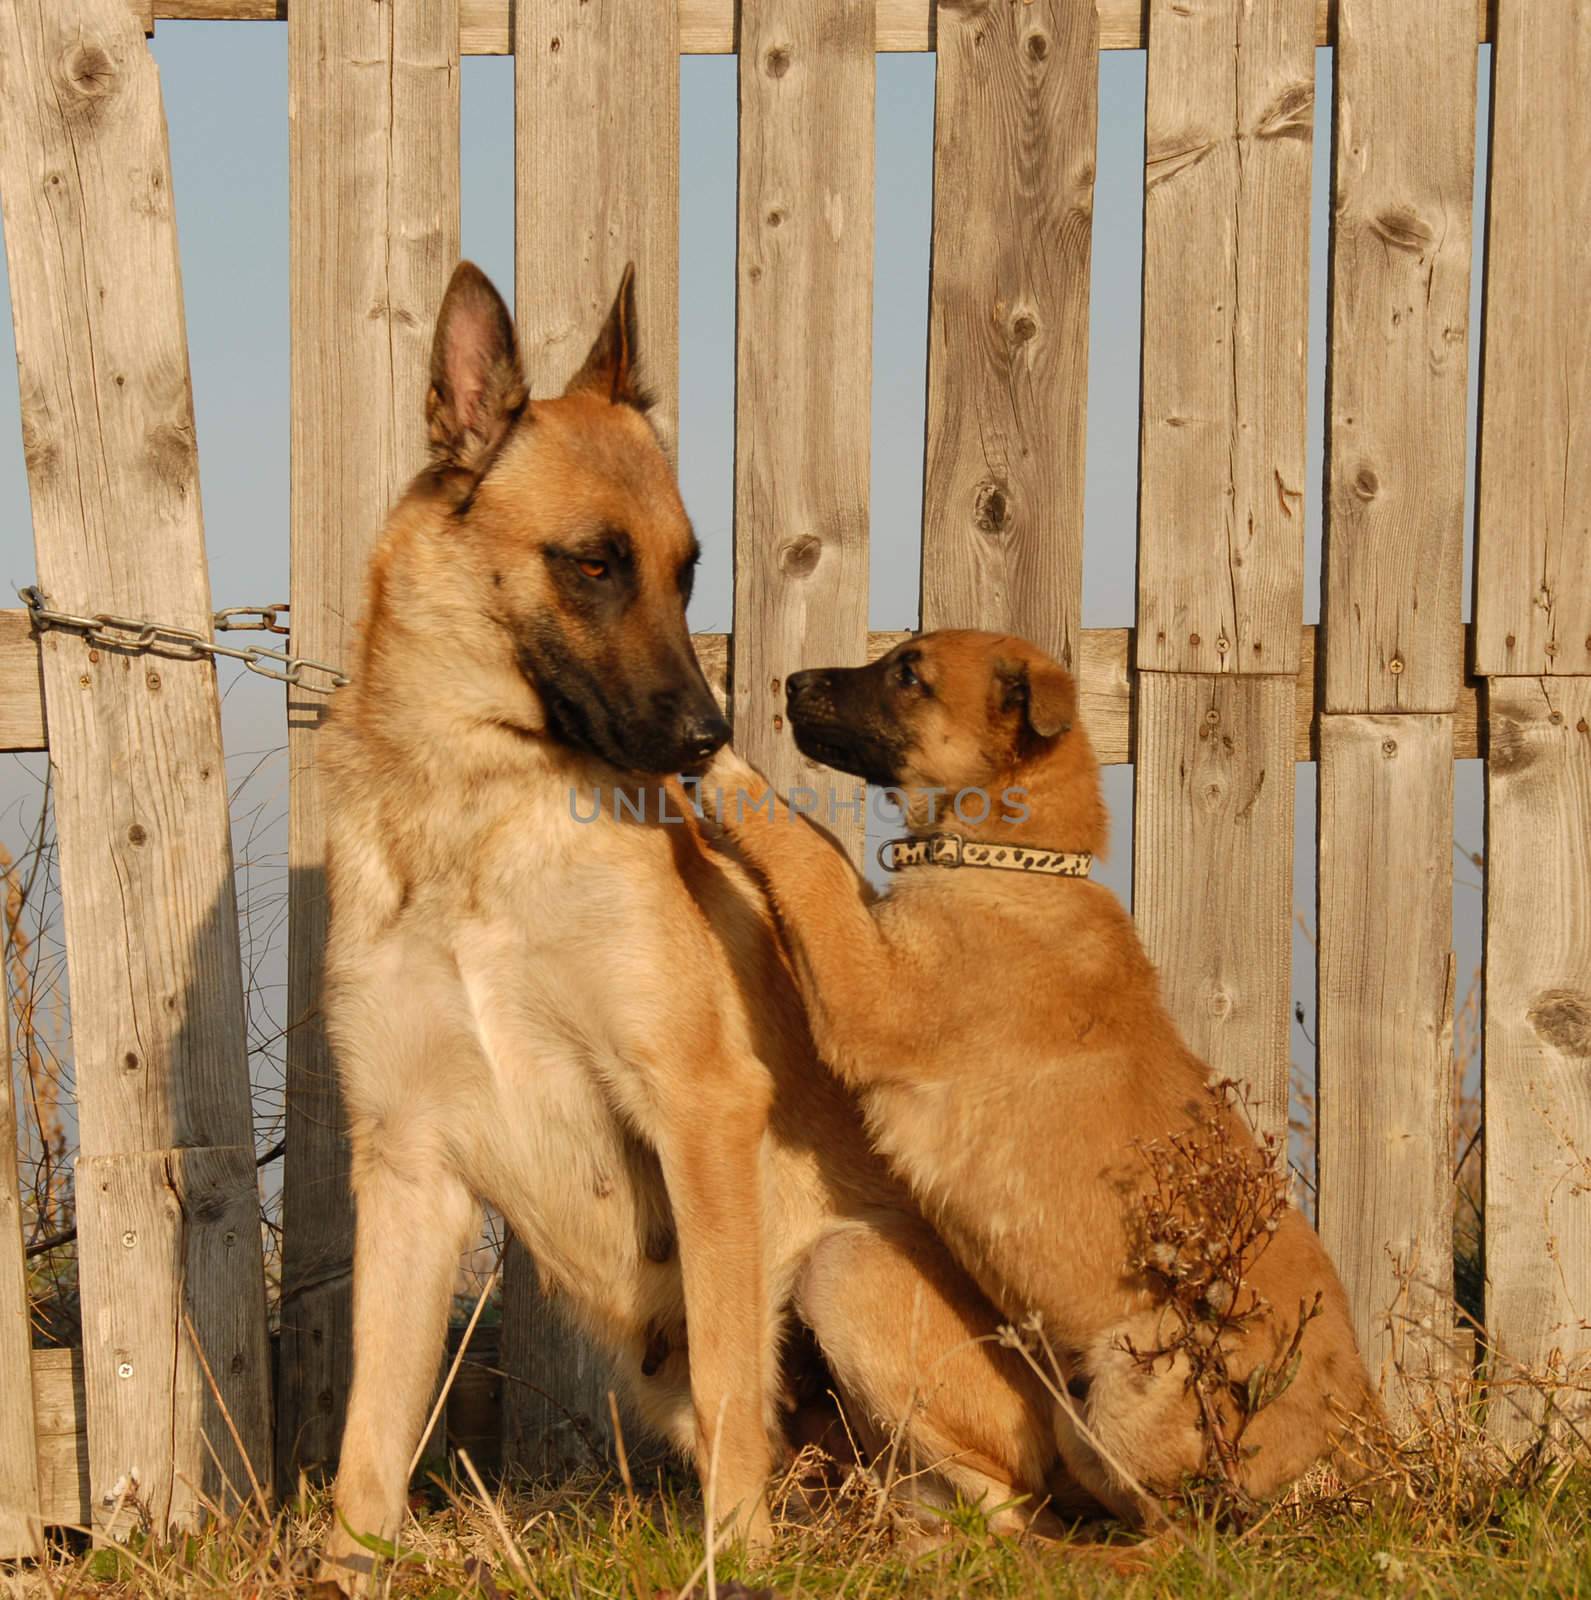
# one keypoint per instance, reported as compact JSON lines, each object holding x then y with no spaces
{"x":373,"y":166}
{"x":596,"y":186}
{"x":1533,"y":634}
{"x":1230,"y":115}
{"x":166,"y":1190}
{"x":1394,"y":541}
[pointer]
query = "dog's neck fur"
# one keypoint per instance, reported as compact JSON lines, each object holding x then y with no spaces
{"x":1059,"y":786}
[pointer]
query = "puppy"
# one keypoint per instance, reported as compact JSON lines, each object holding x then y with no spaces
{"x":1004,"y":1029}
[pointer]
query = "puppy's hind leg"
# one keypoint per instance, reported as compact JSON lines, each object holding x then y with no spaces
{"x":910,"y":1341}
{"x":413,"y":1218}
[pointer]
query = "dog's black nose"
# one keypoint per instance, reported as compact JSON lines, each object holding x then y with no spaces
{"x":801,"y":683}
{"x":701,"y":736}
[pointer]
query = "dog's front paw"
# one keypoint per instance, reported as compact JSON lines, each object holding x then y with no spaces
{"x":730,"y":788}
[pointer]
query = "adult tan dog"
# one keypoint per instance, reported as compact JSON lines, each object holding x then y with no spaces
{"x":567,"y":1005}
{"x":1005,"y":1031}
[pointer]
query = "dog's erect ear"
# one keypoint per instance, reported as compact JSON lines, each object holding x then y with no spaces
{"x":611,"y":367}
{"x":477,"y":383}
{"x":1044,"y":691}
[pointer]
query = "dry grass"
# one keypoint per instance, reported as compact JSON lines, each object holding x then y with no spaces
{"x":1520,"y":1537}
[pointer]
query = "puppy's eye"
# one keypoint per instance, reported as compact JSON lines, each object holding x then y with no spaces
{"x":593,"y":569}
{"x":906,"y":677}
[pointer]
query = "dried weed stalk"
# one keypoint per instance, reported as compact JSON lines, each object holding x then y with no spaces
{"x":1212,"y":1205}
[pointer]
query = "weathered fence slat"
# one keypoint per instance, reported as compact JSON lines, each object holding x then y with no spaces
{"x":803,"y":363}
{"x":1533,"y":530}
{"x":1230,"y":109}
{"x":1384,"y":1113}
{"x":141,"y":797}
{"x":374,"y":235}
{"x":1394,"y":542}
{"x":1397,"y":379}
{"x":597,"y":187}
{"x":19,"y":1451}
{"x":160,"y":1325}
{"x":1213,"y":867}
{"x":1014,"y":128}
{"x":60,"y":1419}
{"x":1538,"y":1037}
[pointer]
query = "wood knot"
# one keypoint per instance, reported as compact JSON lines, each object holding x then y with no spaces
{"x":1389,"y":748}
{"x":88,"y":70}
{"x":1403,"y":228}
{"x":991,"y":508}
{"x":775,"y":218}
{"x":1023,"y":328}
{"x":777,"y":61}
{"x":1562,"y":1019}
{"x":136,"y":834}
{"x":1038,"y":47}
{"x":800,"y":556}
{"x":1366,"y":484}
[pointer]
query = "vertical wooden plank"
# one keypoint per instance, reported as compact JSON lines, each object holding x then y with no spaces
{"x":803,"y":365}
{"x":1533,"y":531}
{"x":1213,"y":868}
{"x":596,"y":187}
{"x":1014,"y":127}
{"x":1230,"y":110}
{"x":1385,"y":1043}
{"x":374,"y":232}
{"x":147,"y":1290}
{"x":1397,"y":383}
{"x":596,"y":184}
{"x":60,"y":1420}
{"x":1538,"y":1037}
{"x":135,"y":740}
{"x":1393,"y":640}
{"x":19,"y":1475}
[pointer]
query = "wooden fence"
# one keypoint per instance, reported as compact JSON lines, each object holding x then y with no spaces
{"x":1214,"y":695}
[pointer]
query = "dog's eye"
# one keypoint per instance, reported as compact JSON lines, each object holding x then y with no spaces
{"x":906,"y":677}
{"x":593,"y":569}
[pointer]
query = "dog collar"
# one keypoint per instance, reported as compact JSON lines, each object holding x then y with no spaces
{"x":951,"y":850}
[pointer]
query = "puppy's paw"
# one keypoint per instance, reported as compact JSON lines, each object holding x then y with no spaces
{"x":729,"y":788}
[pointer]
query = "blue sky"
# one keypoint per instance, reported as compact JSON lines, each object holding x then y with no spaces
{"x":226,"y":98}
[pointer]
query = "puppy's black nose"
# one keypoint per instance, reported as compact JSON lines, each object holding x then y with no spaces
{"x":801,"y":683}
{"x":701,"y":736}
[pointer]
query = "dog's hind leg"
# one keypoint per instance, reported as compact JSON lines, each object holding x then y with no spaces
{"x":911,"y":1342}
{"x":413,"y":1218}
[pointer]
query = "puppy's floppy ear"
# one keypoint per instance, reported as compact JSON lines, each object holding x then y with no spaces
{"x":1044,"y":691}
{"x":477,"y":383}
{"x":611,"y":366}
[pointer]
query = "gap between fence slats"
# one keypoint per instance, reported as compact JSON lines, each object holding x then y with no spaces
{"x":707,"y":27}
{"x":1230,"y":112}
{"x":803,"y":361}
{"x":597,"y":185}
{"x":1014,"y":140}
{"x":140,"y":795}
{"x":1538,"y":1039}
{"x":1384,"y":1107}
{"x":374,"y":234}
{"x":1533,"y":482}
{"x":1395,"y":450}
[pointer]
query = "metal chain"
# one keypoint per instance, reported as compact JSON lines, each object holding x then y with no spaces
{"x":184,"y":644}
